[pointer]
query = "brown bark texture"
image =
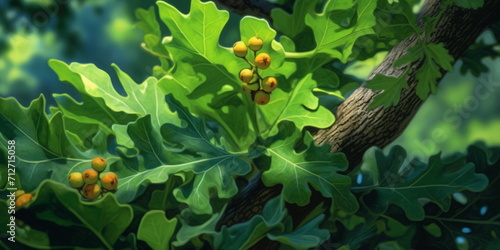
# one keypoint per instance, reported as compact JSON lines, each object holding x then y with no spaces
{"x":358,"y":128}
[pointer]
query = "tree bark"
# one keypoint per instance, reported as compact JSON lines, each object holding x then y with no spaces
{"x":358,"y":128}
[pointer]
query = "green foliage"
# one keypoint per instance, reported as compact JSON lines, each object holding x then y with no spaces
{"x":408,"y":185}
{"x":156,"y":229}
{"x":435,"y":57}
{"x":186,"y":141}
{"x":315,"y":166}
{"x":471,"y":4}
{"x":56,"y":207}
{"x":457,"y":202}
{"x":391,"y":87}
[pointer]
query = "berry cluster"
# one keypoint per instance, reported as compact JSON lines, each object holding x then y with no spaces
{"x":253,"y":83}
{"x":87,"y":181}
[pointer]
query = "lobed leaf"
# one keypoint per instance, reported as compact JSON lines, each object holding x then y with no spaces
{"x":45,"y":150}
{"x":337,"y":27}
{"x":314,"y":166}
{"x":406,"y":185}
{"x":391,"y":87}
{"x":56,"y":207}
{"x":156,"y":230}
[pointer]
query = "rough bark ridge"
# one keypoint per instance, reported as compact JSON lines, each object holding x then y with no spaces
{"x":358,"y":128}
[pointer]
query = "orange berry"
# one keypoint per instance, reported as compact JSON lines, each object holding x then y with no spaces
{"x":109,"y":181}
{"x":261,"y":97}
{"x":23,"y":200}
{"x":91,"y":191}
{"x":263,"y":60}
{"x":90,"y":176}
{"x":269,"y":84}
{"x":99,"y":164}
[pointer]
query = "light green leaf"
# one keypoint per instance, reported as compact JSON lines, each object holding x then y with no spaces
{"x":299,"y":106}
{"x":337,"y":27}
{"x":315,"y":166}
{"x":204,"y":78}
{"x":97,"y":89}
{"x":391,"y":87}
{"x":156,"y":230}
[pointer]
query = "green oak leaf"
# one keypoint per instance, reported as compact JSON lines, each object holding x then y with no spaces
{"x":293,"y":24}
{"x":314,"y":166}
{"x":405,"y":185}
{"x":337,"y":27}
{"x":55,"y":207}
{"x":95,"y":84}
{"x":45,"y":150}
{"x":437,"y":58}
{"x":204,"y":77}
{"x":391,"y":87}
{"x":470,"y":4}
{"x":475,"y":218}
{"x":156,"y":230}
{"x":306,"y":237}
{"x":299,"y":106}
{"x":148,"y":23}
{"x":155,"y":162}
{"x":427,"y":76}
{"x":244,"y":235}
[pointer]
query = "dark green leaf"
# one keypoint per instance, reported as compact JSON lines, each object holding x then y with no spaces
{"x":391,"y":87}
{"x":315,"y":166}
{"x":405,"y":184}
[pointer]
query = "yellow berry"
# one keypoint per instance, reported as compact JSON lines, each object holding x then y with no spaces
{"x":99,"y":164}
{"x":246,"y":75}
{"x":263,"y":60}
{"x":109,"y":181}
{"x":261,"y":97}
{"x":240,"y":49}
{"x":249,"y":87}
{"x":91,"y":191}
{"x":75,"y":180}
{"x":90,"y":176}
{"x":23,"y":200}
{"x":269,"y":84}
{"x":255,"y":43}
{"x":19,"y":193}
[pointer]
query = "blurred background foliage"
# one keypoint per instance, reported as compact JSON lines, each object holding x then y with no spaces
{"x":465,"y":109}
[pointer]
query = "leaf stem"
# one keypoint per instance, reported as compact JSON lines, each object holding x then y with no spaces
{"x":483,"y":222}
{"x":299,"y":55}
{"x":143,"y":45}
{"x":253,"y":114}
